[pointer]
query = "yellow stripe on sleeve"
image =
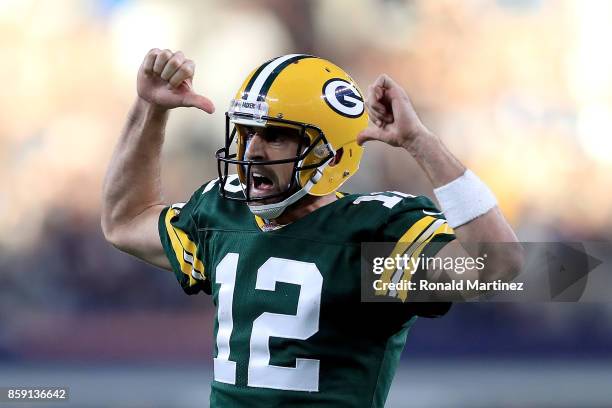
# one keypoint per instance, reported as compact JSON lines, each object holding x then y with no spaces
{"x":408,"y":272}
{"x":185,"y":250}
{"x":403,"y":244}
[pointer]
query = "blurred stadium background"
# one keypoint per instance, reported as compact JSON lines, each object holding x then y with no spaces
{"x":521,"y":91}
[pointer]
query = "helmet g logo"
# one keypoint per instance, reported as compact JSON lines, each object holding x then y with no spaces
{"x":343,"y":97}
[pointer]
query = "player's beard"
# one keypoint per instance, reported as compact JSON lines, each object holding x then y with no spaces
{"x":261,"y":190}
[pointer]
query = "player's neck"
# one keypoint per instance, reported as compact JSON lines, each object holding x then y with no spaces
{"x":304,"y":207}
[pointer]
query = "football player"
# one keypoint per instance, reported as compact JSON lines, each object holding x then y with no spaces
{"x":275,"y":242}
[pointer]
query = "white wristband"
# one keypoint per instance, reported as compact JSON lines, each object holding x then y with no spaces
{"x":464,"y":199}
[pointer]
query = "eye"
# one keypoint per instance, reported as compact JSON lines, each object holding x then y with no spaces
{"x":248,"y":133}
{"x":281,"y":135}
{"x":274,"y":137}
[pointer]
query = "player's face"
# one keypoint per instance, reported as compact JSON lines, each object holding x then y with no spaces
{"x":272,"y":143}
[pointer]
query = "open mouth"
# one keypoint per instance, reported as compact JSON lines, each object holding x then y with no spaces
{"x":261,"y":182}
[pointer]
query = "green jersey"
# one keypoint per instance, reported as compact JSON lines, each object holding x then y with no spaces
{"x":290,"y":328}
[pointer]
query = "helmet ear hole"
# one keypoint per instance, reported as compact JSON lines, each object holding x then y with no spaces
{"x":336,"y":159}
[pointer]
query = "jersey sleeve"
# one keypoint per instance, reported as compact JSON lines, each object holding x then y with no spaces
{"x":178,"y":231}
{"x":418,"y":229}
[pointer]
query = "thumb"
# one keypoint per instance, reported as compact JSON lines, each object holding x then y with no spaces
{"x":200,"y":102}
{"x":367,"y":134}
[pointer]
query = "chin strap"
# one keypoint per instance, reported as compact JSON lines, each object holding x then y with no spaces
{"x":274,"y":210}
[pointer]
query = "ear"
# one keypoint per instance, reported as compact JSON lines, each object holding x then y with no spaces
{"x":337,"y":157}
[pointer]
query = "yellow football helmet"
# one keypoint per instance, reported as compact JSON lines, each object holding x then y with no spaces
{"x":312,"y":96}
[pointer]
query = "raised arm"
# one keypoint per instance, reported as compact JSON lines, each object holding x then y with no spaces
{"x":132,"y":196}
{"x":395,"y":122}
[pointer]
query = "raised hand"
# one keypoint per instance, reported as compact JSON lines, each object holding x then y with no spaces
{"x":165,"y":80}
{"x":392,"y":116}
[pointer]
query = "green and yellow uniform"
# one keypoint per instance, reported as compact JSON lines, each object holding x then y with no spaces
{"x":290,"y":329}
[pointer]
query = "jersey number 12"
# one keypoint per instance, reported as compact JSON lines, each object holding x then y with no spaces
{"x":302,"y":325}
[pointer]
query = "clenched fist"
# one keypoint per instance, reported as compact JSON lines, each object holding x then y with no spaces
{"x":165,"y":80}
{"x":393,"y":118}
